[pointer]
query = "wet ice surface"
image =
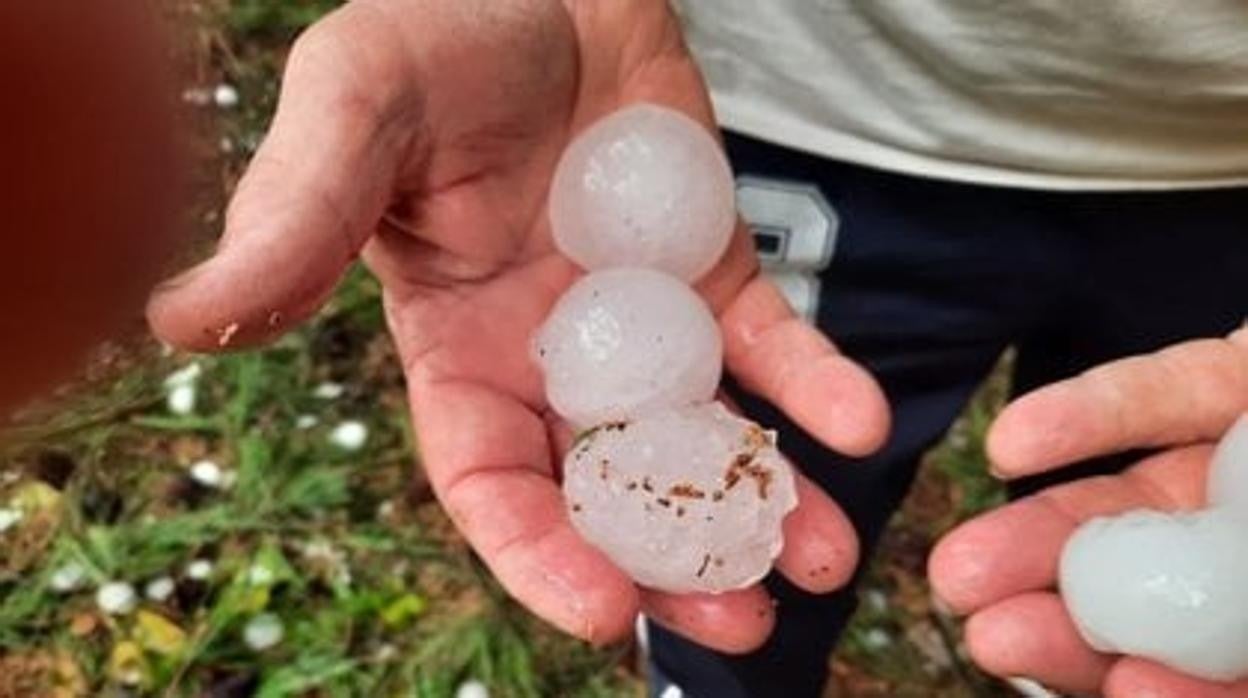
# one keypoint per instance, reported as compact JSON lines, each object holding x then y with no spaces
{"x":676,"y":490}
{"x":647,"y":187}
{"x":1170,"y":587}
{"x":1228,"y":473}
{"x":1167,"y":587}
{"x":683,"y":500}
{"x":623,"y":342}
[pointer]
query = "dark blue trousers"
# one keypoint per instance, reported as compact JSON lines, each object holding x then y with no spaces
{"x":928,"y":282}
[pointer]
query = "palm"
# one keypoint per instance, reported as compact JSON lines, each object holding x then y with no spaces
{"x":438,"y":126}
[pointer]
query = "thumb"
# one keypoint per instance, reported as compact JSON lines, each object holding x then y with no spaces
{"x":311,"y":197}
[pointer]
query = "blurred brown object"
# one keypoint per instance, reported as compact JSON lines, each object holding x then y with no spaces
{"x":89,"y":188}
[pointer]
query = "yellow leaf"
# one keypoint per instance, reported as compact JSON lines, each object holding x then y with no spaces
{"x":159,"y":634}
{"x":127,"y":665}
{"x":35,"y":497}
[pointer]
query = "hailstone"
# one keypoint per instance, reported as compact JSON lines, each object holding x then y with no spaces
{"x":116,"y":598}
{"x":1168,"y":587}
{"x":685,"y":500}
{"x":264,"y":632}
{"x":1228,"y":473}
{"x":624,"y":342}
{"x":644,"y":187}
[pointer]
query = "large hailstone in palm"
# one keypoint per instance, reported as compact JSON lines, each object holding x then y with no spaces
{"x":684,"y":500}
{"x":644,"y":187}
{"x":624,"y":342}
{"x":1170,"y":587}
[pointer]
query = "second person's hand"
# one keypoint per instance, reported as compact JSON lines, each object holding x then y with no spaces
{"x":423,"y":135}
{"x":1002,"y":567}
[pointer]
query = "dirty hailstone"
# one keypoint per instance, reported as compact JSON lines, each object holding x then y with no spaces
{"x":1170,"y":587}
{"x":623,"y":342}
{"x":646,"y":187}
{"x":684,"y":500}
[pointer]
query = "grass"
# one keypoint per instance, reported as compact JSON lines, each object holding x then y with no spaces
{"x":255,"y":18}
{"x":375,"y":593}
{"x":377,"y":596}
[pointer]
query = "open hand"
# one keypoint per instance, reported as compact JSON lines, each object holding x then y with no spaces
{"x":423,"y":135}
{"x":1001,"y":567}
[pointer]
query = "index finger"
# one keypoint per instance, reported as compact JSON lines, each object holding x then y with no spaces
{"x":1187,"y":393}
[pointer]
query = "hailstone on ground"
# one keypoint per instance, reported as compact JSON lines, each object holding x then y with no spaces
{"x":208,"y":474}
{"x":199,"y":570}
{"x":624,"y":342}
{"x":264,"y":632}
{"x":160,"y":589}
{"x":116,"y":598}
{"x":686,"y":500}
{"x":68,"y":578}
{"x":646,"y":187}
{"x":350,"y":435}
{"x":1170,"y":587}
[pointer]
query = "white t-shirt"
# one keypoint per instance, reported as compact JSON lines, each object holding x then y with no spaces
{"x":1055,"y":94}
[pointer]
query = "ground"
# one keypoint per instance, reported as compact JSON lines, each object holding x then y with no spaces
{"x":302,"y":523}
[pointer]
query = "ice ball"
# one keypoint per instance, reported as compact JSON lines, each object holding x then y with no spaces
{"x":1168,"y":587}
{"x":1228,"y":473}
{"x":116,"y":598}
{"x":623,"y":342}
{"x":264,"y":632}
{"x":644,"y":187}
{"x":685,"y":500}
